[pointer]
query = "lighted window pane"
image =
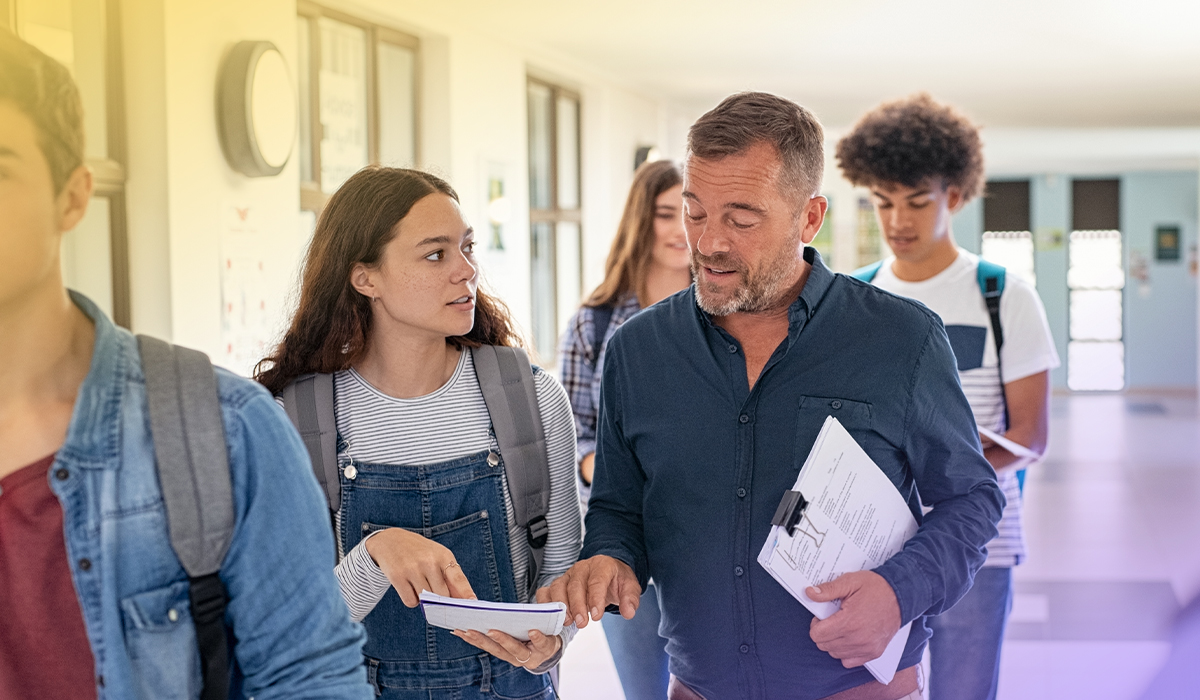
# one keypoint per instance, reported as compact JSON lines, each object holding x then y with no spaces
{"x":1012,"y":250}
{"x":568,"y":153}
{"x":1096,"y":314}
{"x":397,"y":106}
{"x":304,"y":82}
{"x":1095,"y":260}
{"x":543,"y":289}
{"x":343,"y":102}
{"x":568,"y":257}
{"x":540,"y":108}
{"x":1095,"y":366}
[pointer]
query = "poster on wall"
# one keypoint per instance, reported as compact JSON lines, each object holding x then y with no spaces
{"x":245,"y":304}
{"x":1166,"y":244}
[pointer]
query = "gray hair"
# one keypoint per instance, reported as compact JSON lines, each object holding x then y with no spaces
{"x":748,"y":118}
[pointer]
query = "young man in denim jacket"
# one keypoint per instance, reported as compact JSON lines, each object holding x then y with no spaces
{"x":93,"y":600}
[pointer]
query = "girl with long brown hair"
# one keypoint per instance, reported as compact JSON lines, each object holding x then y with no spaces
{"x":648,"y":262}
{"x":390,"y":305}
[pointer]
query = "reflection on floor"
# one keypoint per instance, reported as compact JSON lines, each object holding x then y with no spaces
{"x":1112,"y":523}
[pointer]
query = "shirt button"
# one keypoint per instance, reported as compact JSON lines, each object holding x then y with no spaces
{"x":732,"y":349}
{"x":173,"y":615}
{"x":738,"y":571}
{"x":745,"y":649}
{"x":85,"y":564}
{"x":62,"y":474}
{"x":836,"y":405}
{"x":744,"y":418}
{"x":741,"y":493}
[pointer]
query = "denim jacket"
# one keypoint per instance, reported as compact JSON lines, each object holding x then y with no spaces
{"x":294,"y":637}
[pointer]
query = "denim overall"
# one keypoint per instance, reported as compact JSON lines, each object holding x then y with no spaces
{"x":460,"y":505}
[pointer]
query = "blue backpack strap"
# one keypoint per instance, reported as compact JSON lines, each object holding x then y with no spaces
{"x":991,"y":286}
{"x":867,"y":273}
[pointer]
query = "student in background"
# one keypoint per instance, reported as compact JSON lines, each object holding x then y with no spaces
{"x":390,"y":305}
{"x":93,"y":600}
{"x":648,"y":262}
{"x":923,"y":161}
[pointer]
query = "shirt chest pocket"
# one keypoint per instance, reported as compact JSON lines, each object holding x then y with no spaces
{"x":161,"y":641}
{"x":813,"y":411}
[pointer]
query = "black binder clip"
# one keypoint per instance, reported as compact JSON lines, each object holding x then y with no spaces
{"x":790,"y":510}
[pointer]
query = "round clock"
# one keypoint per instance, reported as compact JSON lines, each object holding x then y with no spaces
{"x":256,"y":109}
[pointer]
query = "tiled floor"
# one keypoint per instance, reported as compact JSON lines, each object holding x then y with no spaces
{"x":1113,"y":526}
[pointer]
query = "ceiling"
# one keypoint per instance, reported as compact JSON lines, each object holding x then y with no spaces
{"x":1010,"y":63}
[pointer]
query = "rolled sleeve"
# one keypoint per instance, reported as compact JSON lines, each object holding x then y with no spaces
{"x":937,"y":566}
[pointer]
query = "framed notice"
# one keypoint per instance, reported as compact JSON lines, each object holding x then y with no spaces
{"x":1166,"y":243}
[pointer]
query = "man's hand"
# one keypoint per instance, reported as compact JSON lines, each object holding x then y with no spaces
{"x":591,"y":585}
{"x":869,"y":618}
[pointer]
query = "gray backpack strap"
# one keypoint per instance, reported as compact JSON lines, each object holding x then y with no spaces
{"x":308,"y":402}
{"x":193,"y":470}
{"x":506,"y":380}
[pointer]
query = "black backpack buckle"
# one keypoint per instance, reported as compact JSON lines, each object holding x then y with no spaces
{"x":539,"y":532}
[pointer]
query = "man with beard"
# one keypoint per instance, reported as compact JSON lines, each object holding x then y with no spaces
{"x":710,"y":403}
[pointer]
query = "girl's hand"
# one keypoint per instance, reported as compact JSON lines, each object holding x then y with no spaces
{"x":414,"y":564}
{"x":529,"y":655}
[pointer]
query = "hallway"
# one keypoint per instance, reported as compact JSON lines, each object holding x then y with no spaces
{"x":1112,"y":529}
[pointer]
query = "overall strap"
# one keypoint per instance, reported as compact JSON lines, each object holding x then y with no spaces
{"x":193,"y":471}
{"x":308,"y":402}
{"x":601,"y":319}
{"x":506,"y":380}
{"x":867,"y":273}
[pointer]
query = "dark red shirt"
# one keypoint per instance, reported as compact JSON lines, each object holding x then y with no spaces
{"x":44,"y":649}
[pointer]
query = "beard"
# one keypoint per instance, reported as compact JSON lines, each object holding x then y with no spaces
{"x":758,"y":289}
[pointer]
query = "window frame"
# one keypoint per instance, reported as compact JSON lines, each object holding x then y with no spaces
{"x":556,"y":214}
{"x":312,"y":197}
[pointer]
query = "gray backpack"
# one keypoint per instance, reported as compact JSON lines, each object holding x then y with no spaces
{"x":193,"y":471}
{"x":506,"y":380}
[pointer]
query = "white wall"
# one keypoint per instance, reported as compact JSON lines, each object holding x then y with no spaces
{"x":182,"y":193}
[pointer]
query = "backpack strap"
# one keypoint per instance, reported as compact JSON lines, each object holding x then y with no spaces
{"x":506,"y":380}
{"x":868,"y":272}
{"x":601,"y":319}
{"x":991,"y":285}
{"x":193,"y":470}
{"x":308,"y":402}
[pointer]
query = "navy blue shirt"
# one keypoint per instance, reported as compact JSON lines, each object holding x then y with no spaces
{"x":691,"y":464}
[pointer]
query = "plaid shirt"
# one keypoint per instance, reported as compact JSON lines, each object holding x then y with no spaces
{"x":577,"y":372}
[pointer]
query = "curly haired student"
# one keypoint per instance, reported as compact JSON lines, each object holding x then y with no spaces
{"x":922,"y":162}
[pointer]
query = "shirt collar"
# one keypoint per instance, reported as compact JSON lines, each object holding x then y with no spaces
{"x":93,"y":437}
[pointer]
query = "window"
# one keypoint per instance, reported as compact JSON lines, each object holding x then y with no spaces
{"x":1007,"y":240}
{"x":556,"y":247}
{"x":1096,"y":279}
{"x":358,"y":99}
{"x":84,"y":35}
{"x":870,"y":240}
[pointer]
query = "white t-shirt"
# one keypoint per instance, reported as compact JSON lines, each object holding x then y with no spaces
{"x":953,"y":294}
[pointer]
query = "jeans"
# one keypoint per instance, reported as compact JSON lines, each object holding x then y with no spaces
{"x":638,"y":652}
{"x":964,"y":653}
